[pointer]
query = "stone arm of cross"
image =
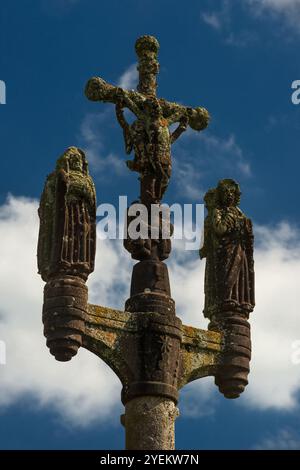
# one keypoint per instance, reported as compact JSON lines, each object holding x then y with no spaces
{"x":198,"y":118}
{"x":98,"y":89}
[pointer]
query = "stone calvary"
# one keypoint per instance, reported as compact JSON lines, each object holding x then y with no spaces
{"x":146,"y":345}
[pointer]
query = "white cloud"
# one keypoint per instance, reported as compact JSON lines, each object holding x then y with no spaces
{"x":221,"y":20}
{"x":228,"y":147}
{"x":212,"y":19}
{"x":277,"y":5}
{"x":82,"y":390}
{"x":217,"y":155}
{"x":85,"y":389}
{"x":198,"y":399}
{"x":188,"y":179}
{"x":129,"y":78}
{"x":241,"y":39}
{"x":92,"y":135}
{"x":286,"y":12}
{"x":285,"y":439}
{"x":275,"y":380}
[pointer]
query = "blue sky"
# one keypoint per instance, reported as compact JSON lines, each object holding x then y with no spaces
{"x":238,"y":59}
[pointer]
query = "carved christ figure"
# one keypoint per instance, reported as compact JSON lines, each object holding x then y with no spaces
{"x":150,"y":139}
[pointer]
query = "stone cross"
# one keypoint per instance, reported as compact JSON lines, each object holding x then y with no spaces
{"x":146,"y":345}
{"x":149,"y":136}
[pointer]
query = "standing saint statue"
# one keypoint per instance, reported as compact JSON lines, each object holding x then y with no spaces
{"x":66,"y":251}
{"x":228,"y":249}
{"x":229,"y":282}
{"x":67,"y":214}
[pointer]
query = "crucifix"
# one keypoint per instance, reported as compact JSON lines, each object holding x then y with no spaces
{"x":146,"y":345}
{"x":149,"y":135}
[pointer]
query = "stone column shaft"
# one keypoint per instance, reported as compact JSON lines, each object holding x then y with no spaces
{"x":150,"y":423}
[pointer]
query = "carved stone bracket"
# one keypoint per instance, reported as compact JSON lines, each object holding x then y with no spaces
{"x":114,"y":336}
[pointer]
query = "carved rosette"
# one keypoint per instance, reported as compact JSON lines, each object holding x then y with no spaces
{"x":66,"y":251}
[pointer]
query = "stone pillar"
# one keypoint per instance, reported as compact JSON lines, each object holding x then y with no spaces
{"x":150,"y":423}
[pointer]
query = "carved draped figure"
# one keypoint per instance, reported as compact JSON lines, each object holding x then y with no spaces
{"x":234,"y":261}
{"x":228,"y":248}
{"x":67,"y":214}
